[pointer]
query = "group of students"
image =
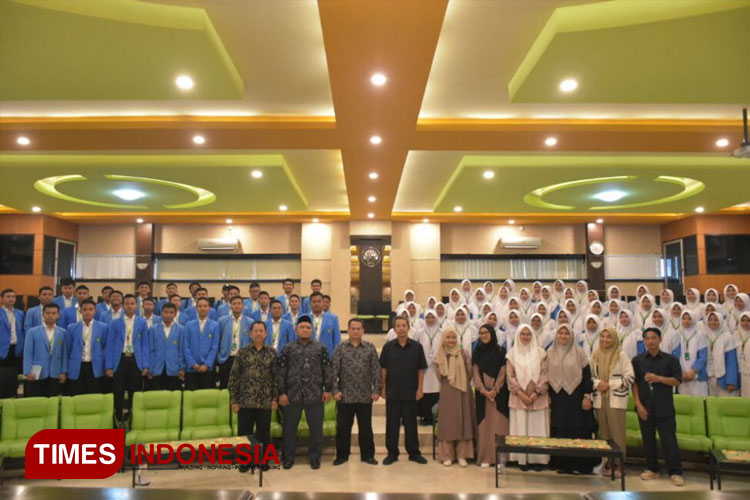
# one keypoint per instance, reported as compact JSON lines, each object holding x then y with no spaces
{"x":131,"y":342}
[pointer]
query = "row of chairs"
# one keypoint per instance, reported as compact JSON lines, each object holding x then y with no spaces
{"x":156,"y":417}
{"x":702,"y":423}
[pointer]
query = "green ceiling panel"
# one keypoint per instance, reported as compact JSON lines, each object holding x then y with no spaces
{"x":637,"y":51}
{"x":568,"y":184}
{"x":196,"y":182}
{"x":110,"y":50}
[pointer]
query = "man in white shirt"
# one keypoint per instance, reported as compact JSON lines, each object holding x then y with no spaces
{"x":263,"y":312}
{"x":115,"y":312}
{"x":252,"y":303}
{"x":33,"y":316}
{"x":148,"y":305}
{"x":67,"y":299}
{"x":11,"y":344}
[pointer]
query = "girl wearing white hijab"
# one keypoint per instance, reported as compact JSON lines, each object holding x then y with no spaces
{"x":493,"y":321}
{"x":693,"y":355}
{"x":537,"y":327}
{"x":574,"y":318}
{"x":730,"y":292}
{"x":455,"y":300}
{"x":711,"y":296}
{"x":536,"y":291}
{"x":590,"y":338}
{"x":741,"y":304}
{"x":410,"y":296}
{"x":673,"y":318}
{"x":612,"y":317}
{"x":548,"y":299}
{"x":591,"y":296}
{"x":722,"y":367}
{"x":467,"y":332}
{"x":466,"y":291}
{"x":710,"y":307}
{"x":525,"y":305}
{"x":528,"y":385}
{"x":479,"y":300}
{"x":514,"y":305}
{"x":482,"y":319}
{"x":430,"y":337}
{"x":500,"y":302}
{"x":510,"y":285}
{"x":415,"y":322}
{"x":646,"y":306}
{"x":489,"y":291}
{"x":640,"y":291}
{"x":568,"y":293}
{"x":510,"y":326}
{"x":693,"y":302}
{"x":431,"y":303}
{"x":542,"y":309}
{"x":666,"y":298}
{"x":614,"y":293}
{"x":441,"y":314}
{"x":669,"y":339}
{"x":742,"y":338}
{"x":631,"y":337}
{"x":558,"y":288}
{"x":402,"y":312}
{"x":596,"y":308}
{"x":582,"y":289}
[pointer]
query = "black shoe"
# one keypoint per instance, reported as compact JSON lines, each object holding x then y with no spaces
{"x":315,"y":464}
{"x":538,"y":467}
{"x":288,"y":464}
{"x":524,"y":468}
{"x":339,"y":461}
{"x":389,"y":460}
{"x":371,"y":461}
{"x":418,"y":459}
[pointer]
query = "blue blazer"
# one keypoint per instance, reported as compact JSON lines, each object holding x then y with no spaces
{"x":190,"y":314}
{"x":167,"y":352}
{"x":74,"y":345}
{"x":201,"y":348}
{"x":37,"y":352}
{"x":106,"y":316}
{"x":305,"y":306}
{"x":60,"y":301}
{"x":101,"y":310}
{"x":256,"y":315}
{"x":116,"y":342}
{"x":328,"y":333}
{"x":288,"y":317}
{"x":249,"y":305}
{"x":32,"y":318}
{"x":159,"y":304}
{"x":5,"y":334}
{"x":223,"y":310}
{"x":68,"y":317}
{"x":286,"y":333}
{"x":225,"y":335}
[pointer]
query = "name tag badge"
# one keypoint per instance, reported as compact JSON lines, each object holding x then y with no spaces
{"x":174,"y":342}
{"x":98,"y":339}
{"x":210,"y":335}
{"x":687,"y":356}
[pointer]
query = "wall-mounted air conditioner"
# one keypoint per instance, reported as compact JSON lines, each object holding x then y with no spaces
{"x":520,"y":242}
{"x":216,"y":244}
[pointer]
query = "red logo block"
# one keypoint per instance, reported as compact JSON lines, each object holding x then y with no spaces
{"x":75,"y":453}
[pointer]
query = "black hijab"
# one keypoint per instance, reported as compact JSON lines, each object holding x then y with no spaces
{"x":490,"y":358}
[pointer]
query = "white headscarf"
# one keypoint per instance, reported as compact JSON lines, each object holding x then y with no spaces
{"x":550,"y":301}
{"x":719,"y":342}
{"x":729,"y":303}
{"x":694,"y":305}
{"x":642,"y":315}
{"x":525,"y":306}
{"x":479,"y":303}
{"x":466,"y":295}
{"x":629,"y":335}
{"x":540,"y":331}
{"x":440,"y":317}
{"x":609,"y":292}
{"x":454,"y":304}
{"x":664,"y":306}
{"x":558,"y":295}
{"x":432,"y":299}
{"x":526,"y":358}
{"x":612,"y":320}
{"x":488,"y":296}
{"x":581,"y":296}
{"x":510,"y":285}
{"x":590,"y":308}
{"x":591,"y":339}
{"x":534,"y":295}
{"x":509,"y":328}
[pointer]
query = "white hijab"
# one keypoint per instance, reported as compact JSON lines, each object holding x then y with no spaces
{"x":719,"y":342}
{"x":488,"y":296}
{"x":526,"y":358}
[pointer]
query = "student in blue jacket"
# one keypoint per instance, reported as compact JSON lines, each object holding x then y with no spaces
{"x":316,"y":286}
{"x":167,"y":360}
{"x":71,"y":314}
{"x":280,"y":330}
{"x":33,"y":315}
{"x":104,"y":306}
{"x":11,"y":344}
{"x":149,"y":306}
{"x":115,"y":311}
{"x":190,"y":313}
{"x":67,"y":298}
{"x":294,"y":310}
{"x":201,"y":347}
{"x":170,"y":289}
{"x":85,"y":342}
{"x":288,"y":287}
{"x":234,"y":333}
{"x":224,"y":309}
{"x":325,"y":325}
{"x":44,"y":350}
{"x":263,"y":312}
{"x":252,"y":303}
{"x":127,"y":354}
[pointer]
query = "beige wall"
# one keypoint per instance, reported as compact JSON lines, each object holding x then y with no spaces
{"x":624,"y":239}
{"x":254,"y":238}
{"x":112,"y":239}
{"x":484,"y":238}
{"x":415,"y":260}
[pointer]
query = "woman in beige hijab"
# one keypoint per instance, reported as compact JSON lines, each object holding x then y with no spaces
{"x":457,"y":421}
{"x":612,"y":375}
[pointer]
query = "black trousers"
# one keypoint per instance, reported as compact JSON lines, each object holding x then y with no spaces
{"x":164,"y":382}
{"x":127,"y":378}
{"x":86,"y":383}
{"x":225,"y":369}
{"x":10,"y":367}
{"x":292,"y":414}
{"x":45,"y":388}
{"x":425,"y":405}
{"x":199,"y":380}
{"x":255,"y":421}
{"x":396,"y":412}
{"x":345,"y":413}
{"x":667,"y":427}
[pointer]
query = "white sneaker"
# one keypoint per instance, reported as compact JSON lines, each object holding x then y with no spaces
{"x":462,"y":462}
{"x":447,"y":463}
{"x":485,"y":466}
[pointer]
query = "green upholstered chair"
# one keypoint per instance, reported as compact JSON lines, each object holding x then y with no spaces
{"x":729,"y":422}
{"x":156,"y":417}
{"x":690,"y":414}
{"x":632,"y":427}
{"x":87,"y":411}
{"x":22,"y":418}
{"x":329,"y":419}
{"x":303,"y":430}
{"x":276,"y":429}
{"x":205,"y":414}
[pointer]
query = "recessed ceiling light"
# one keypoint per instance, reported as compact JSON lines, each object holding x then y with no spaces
{"x":700,"y":210}
{"x":488,"y":174}
{"x":23,"y":141}
{"x":458,"y":208}
{"x":375,"y":140}
{"x":425,"y":221}
{"x":370,"y":215}
{"x":511,"y":222}
{"x":723,"y":142}
{"x":36,"y":209}
{"x":378,"y":79}
{"x":282,"y":208}
{"x":373,"y":175}
{"x":184,"y":82}
{"x":139,"y":221}
{"x":568,"y":85}
{"x":599,"y":221}
{"x":229,"y":221}
{"x":611,"y":195}
{"x":199,"y":139}
{"x":371,"y":199}
{"x":316,"y":220}
{"x":550,"y":141}
{"x":257,"y":174}
{"x":129,"y":194}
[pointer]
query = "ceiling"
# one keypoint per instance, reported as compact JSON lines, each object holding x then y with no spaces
{"x":283,"y":87}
